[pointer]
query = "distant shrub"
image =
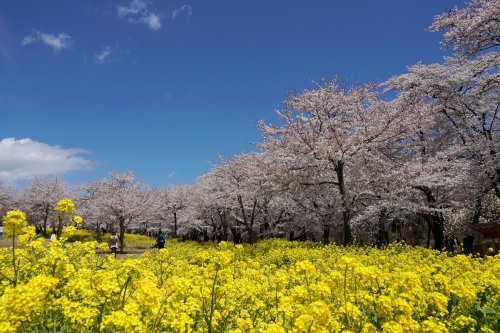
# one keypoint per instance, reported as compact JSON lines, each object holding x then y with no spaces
{"x":135,"y":241}
{"x":131,"y":240}
{"x":82,"y":236}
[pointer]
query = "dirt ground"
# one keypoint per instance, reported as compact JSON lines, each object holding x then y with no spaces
{"x":7,"y":242}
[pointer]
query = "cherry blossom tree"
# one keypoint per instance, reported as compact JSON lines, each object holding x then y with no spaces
{"x":194,"y":221}
{"x":247,"y":191}
{"x":41,"y":196}
{"x":173,"y":201}
{"x":122,"y":198}
{"x":213,"y":205}
{"x":328,"y":135}
{"x":94,"y":218}
{"x":463,"y":94}
{"x":7,"y":198}
{"x":472,"y":30}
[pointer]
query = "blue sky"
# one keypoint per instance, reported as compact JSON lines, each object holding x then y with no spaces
{"x":163,"y":87}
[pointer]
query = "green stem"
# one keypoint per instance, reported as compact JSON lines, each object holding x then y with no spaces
{"x":308,"y":289}
{"x":42,"y":325}
{"x":16,"y":273}
{"x":212,"y":301}
{"x":348,"y":321}
{"x":158,"y":317}
{"x":129,"y":279}
{"x":100,"y":315}
{"x":59,"y":227}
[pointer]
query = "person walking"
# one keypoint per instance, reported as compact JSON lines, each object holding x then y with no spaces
{"x":160,"y":240}
{"x":113,"y":243}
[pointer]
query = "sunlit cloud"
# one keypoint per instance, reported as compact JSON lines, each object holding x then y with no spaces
{"x":153,"y":21}
{"x":138,"y":12}
{"x":134,"y":8}
{"x":103,"y":55}
{"x":184,"y":8}
{"x":25,"y":158}
{"x":59,"y":42}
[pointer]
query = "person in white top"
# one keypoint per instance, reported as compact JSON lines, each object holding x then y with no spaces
{"x":113,"y":243}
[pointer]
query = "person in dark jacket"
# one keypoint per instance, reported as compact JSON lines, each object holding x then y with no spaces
{"x":160,"y":240}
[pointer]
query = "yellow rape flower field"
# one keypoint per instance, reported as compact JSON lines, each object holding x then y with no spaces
{"x":273,"y":286}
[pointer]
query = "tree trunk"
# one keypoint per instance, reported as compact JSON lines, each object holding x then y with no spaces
{"x":477,"y":211}
{"x":496,"y":187}
{"x":99,"y":234}
{"x":346,"y":211}
{"x":248,"y":221}
{"x":59,"y":227}
{"x":251,"y":236}
{"x":121,"y":221}
{"x":223,"y":222}
{"x":326,"y":234}
{"x":45,"y":219}
{"x":434,"y":220}
{"x":437,"y":228}
{"x":214,"y":230}
{"x":250,"y":228}
{"x":225,"y":234}
{"x":382,"y":235}
{"x":175,"y":224}
{"x":435,"y":224}
{"x":236,"y":236}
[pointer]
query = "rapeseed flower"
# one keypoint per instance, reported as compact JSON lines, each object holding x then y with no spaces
{"x":273,"y":286}
{"x":65,"y":207}
{"x":14,"y":221}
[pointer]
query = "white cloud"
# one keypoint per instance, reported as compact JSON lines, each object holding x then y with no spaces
{"x":25,"y":158}
{"x":138,"y":12}
{"x":135,"y":8}
{"x":171,"y":174}
{"x":183,"y":8}
{"x":59,"y":42}
{"x":153,"y":21}
{"x":103,"y":55}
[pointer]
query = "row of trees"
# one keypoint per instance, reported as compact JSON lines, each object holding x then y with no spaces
{"x":420,"y":151}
